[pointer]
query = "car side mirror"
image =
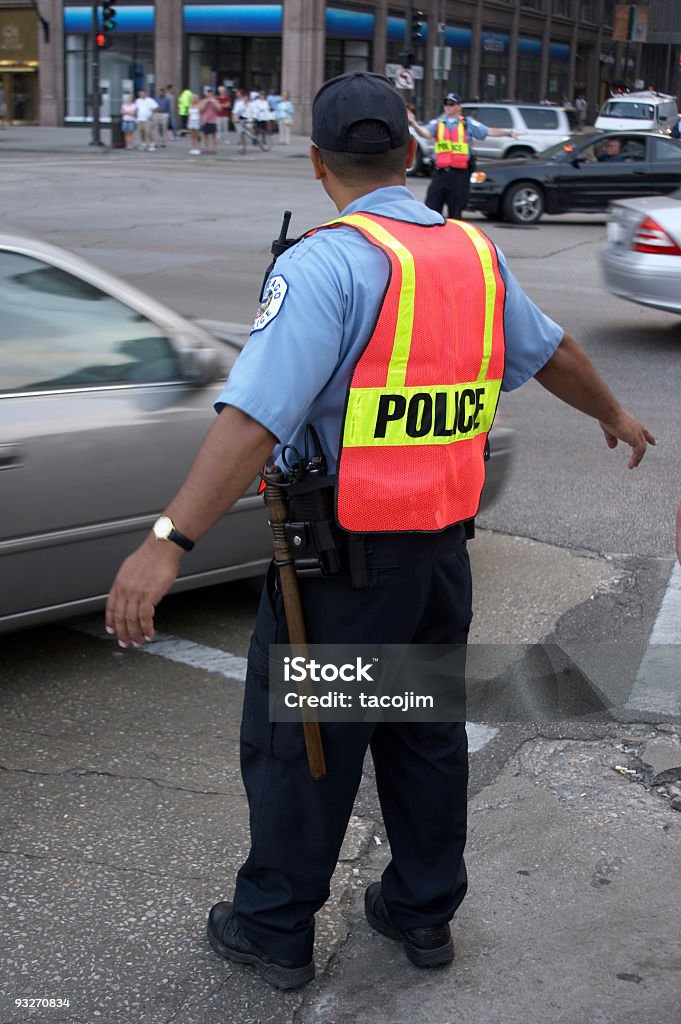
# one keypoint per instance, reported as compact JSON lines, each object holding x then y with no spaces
{"x":579,"y":159}
{"x":200,"y":366}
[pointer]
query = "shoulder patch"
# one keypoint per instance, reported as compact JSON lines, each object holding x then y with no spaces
{"x":271,"y":304}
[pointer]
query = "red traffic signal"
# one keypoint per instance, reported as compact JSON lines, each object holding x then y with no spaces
{"x":102,"y":41}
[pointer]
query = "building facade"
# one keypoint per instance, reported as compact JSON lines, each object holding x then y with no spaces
{"x":525,"y":50}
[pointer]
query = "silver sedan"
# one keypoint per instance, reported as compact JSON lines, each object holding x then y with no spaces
{"x":641,"y":259}
{"x":105,"y":397}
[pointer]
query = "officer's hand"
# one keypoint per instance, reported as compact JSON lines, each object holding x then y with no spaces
{"x":626,"y":428}
{"x":141,"y":582}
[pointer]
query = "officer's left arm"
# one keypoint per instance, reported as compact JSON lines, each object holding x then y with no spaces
{"x":481,"y":131}
{"x":571,"y":376}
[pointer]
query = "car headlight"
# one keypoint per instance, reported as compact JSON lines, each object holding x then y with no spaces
{"x":477,"y":177}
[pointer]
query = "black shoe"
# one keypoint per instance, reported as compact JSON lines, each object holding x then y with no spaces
{"x":425,"y":947}
{"x":229,"y":942}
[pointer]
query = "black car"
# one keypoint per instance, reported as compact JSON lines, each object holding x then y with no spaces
{"x":583,"y":175}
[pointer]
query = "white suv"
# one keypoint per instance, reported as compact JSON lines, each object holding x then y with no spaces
{"x":538,"y":125}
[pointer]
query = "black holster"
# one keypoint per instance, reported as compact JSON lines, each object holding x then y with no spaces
{"x":318,"y":545}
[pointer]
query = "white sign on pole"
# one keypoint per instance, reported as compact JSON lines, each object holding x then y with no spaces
{"x":392,"y":70}
{"x":417,"y":72}
{"x":442,"y":58}
{"x":405,"y":79}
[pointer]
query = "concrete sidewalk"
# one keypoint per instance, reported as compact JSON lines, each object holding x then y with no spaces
{"x":77,"y":141}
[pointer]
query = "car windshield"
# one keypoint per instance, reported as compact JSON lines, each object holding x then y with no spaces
{"x":632,"y":111}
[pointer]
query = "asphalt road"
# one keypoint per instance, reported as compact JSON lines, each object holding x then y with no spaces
{"x":196,"y":233}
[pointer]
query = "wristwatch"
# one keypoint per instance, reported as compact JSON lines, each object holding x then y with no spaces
{"x":164,"y":529}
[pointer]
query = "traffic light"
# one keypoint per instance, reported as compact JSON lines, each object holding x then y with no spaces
{"x":102,"y":39}
{"x":108,"y":18}
{"x":419,"y":24}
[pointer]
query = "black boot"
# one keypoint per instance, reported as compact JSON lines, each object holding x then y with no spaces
{"x":425,"y":947}
{"x":229,"y":941}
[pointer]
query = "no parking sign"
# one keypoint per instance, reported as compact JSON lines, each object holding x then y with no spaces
{"x":405,"y":79}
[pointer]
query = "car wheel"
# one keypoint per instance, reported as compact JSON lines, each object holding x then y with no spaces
{"x":517,"y":151}
{"x":523,"y":203}
{"x":417,"y":167}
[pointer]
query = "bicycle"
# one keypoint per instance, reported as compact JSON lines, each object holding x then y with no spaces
{"x":255,"y":133}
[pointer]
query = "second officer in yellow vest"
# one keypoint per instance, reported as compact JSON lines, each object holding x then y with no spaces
{"x":452,"y":133}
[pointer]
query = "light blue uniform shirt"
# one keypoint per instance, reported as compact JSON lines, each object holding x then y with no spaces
{"x":324,"y":297}
{"x":474,"y":128}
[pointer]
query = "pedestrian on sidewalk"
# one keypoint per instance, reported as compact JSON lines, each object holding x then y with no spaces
{"x":285,"y":119}
{"x":128,"y":120}
{"x":209,"y":122}
{"x":406,"y":309}
{"x":172,"y":119}
{"x":194,"y":125}
{"x":224,"y":102}
{"x":184,"y":102}
{"x":145,"y":106}
{"x":161,"y":117}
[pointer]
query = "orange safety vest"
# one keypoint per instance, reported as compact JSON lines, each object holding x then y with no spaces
{"x":424,"y":392}
{"x":451,"y":145}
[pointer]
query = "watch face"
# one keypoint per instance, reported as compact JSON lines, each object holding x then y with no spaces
{"x":163,"y":527}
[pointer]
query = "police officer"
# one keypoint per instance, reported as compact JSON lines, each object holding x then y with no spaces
{"x":450,"y":183}
{"x":374,"y":328}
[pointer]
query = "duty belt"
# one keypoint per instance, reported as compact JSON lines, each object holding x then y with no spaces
{"x":318,"y":546}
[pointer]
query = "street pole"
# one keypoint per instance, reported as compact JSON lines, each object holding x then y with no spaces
{"x":441,"y":42}
{"x":96,"y":140}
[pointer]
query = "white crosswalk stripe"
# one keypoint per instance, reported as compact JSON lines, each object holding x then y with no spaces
{"x":233,"y":667}
{"x":658,"y":685}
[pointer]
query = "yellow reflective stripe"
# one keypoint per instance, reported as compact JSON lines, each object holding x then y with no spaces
{"x":439,"y":414}
{"x":397,"y":368}
{"x":485,"y":257}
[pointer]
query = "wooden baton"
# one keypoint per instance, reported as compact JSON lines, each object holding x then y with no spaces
{"x":277,"y":509}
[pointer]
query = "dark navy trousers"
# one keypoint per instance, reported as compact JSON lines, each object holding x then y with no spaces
{"x":419,"y":592}
{"x":449,"y":188}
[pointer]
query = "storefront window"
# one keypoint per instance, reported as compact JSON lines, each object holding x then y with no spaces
{"x":587,"y":10}
{"x":459,"y":72}
{"x":527,"y":87}
{"x":558,"y":81}
{"x":346,"y":55}
{"x":128,"y":67}
{"x":239,"y":61}
{"x":76,"y":77}
{"x":493,"y":75}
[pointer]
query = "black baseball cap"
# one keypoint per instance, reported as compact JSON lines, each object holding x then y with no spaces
{"x":358,"y":96}
{"x":452,"y":97}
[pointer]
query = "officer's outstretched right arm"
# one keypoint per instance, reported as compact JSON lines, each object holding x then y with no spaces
{"x":571,"y":376}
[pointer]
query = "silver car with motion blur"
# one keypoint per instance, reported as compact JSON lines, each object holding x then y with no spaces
{"x":641,"y":259}
{"x":105,"y":397}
